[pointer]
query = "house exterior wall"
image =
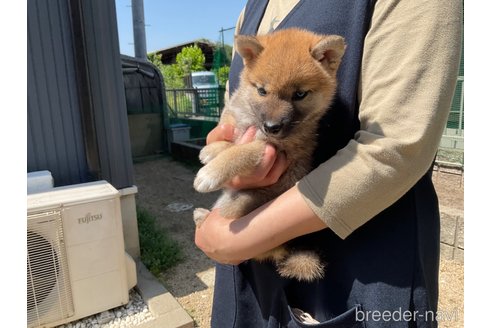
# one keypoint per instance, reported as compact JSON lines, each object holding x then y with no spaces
{"x":77,"y":126}
{"x":54,"y":132}
{"x":77,"y":117}
{"x":105,"y":81}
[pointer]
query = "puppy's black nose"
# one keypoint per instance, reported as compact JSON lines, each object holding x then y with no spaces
{"x":272,"y":127}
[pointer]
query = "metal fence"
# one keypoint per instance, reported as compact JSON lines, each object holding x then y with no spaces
{"x":207,"y":104}
{"x":197,"y":104}
{"x":451,"y":149}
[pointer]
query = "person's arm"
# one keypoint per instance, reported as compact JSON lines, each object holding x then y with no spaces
{"x":408,"y":75}
{"x":233,"y":241}
{"x":409,"y":71}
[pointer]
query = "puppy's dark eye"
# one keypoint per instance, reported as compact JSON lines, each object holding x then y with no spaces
{"x":261,"y":91}
{"x":299,"y":95}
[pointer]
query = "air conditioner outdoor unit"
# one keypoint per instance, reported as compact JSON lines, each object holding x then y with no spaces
{"x":76,"y":262}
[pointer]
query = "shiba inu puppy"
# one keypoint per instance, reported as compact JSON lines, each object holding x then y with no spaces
{"x":288,"y":82}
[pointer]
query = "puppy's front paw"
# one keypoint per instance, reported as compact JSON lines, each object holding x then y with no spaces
{"x":206,"y":155}
{"x":209,"y":152}
{"x":208,"y":180}
{"x":199,"y":215}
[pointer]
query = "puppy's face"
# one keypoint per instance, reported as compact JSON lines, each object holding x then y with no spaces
{"x":289,"y":78}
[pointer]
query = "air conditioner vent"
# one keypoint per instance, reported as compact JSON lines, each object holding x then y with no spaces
{"x":48,"y":285}
{"x":76,"y":263}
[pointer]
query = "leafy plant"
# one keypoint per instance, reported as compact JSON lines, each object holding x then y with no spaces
{"x":158,"y":251}
{"x":223,"y":75}
{"x":173,"y":77}
{"x":156,"y":59}
{"x":190,"y":59}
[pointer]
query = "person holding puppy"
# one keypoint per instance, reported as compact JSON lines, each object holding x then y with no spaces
{"x":370,"y":198}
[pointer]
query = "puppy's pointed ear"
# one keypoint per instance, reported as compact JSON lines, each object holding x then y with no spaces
{"x":248,"y":47}
{"x":329,"y":51}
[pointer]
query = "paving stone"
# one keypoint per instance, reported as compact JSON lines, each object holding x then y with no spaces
{"x":166,"y":309}
{"x":175,"y":319}
{"x":460,"y":231}
{"x":448,"y":228}
{"x":459,"y":255}
{"x":446,"y":252}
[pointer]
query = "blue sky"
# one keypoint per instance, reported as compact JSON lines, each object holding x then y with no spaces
{"x":174,"y":22}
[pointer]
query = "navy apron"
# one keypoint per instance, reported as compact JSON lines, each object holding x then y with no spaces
{"x":385,"y":274}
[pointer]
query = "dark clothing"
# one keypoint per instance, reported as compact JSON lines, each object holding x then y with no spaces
{"x":389,"y":264}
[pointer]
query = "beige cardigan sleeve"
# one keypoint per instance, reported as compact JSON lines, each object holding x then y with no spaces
{"x":409,"y":69}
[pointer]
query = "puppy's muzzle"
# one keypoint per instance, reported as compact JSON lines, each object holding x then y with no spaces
{"x":272,"y":128}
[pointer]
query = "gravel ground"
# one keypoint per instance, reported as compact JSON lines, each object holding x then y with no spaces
{"x":164,"y":184}
{"x":451,"y":291}
{"x":129,"y":315}
{"x":165,"y":190}
{"x":449,"y":186}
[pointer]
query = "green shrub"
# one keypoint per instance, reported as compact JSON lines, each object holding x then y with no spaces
{"x":158,"y":251}
{"x":223,"y":75}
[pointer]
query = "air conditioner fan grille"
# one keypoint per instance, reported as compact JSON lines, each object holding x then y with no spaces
{"x":49,"y":296}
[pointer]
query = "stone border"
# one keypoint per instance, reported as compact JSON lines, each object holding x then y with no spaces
{"x":167,"y":312}
{"x":452,"y":234}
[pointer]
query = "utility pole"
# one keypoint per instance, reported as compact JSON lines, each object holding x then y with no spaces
{"x":223,"y":55}
{"x":222,"y":30}
{"x":139,"y":39}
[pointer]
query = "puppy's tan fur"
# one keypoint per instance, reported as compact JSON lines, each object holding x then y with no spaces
{"x":288,"y":82}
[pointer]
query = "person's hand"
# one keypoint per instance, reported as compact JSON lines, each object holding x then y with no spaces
{"x":211,"y":237}
{"x":223,"y":132}
{"x":234,"y":240}
{"x":272,"y":166}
